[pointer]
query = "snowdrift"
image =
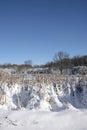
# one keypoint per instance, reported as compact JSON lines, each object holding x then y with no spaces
{"x":44,"y":94}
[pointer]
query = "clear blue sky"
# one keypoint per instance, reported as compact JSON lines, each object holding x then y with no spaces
{"x":37,"y":29}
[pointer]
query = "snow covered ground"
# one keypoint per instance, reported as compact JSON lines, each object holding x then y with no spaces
{"x":43,"y":120}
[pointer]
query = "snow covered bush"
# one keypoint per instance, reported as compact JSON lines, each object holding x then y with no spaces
{"x":44,"y":92}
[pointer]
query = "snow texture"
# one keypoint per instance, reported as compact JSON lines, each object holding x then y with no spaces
{"x":34,"y":120}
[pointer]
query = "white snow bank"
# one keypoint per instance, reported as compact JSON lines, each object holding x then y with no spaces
{"x":59,"y":95}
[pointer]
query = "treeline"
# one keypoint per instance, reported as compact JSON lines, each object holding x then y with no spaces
{"x":15,"y":66}
{"x":79,"y":61}
{"x":27,"y":64}
{"x":72,"y":62}
{"x":62,"y":61}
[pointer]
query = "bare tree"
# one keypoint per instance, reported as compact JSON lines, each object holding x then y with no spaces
{"x":28,"y":62}
{"x":61,"y":60}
